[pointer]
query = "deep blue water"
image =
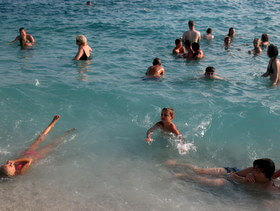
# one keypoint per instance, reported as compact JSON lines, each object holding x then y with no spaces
{"x":106,"y":164}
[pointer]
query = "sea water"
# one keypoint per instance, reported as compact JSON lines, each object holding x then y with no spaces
{"x":106,"y":164}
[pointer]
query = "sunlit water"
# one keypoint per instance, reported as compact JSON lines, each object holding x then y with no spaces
{"x":106,"y":164}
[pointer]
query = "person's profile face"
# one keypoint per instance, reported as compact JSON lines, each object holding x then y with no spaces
{"x":23,"y":32}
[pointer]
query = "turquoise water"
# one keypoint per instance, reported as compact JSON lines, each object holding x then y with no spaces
{"x":106,"y":164}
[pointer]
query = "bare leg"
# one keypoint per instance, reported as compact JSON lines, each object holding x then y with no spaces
{"x":203,"y":180}
{"x":197,"y":170}
{"x":42,"y":136}
{"x":50,"y":147}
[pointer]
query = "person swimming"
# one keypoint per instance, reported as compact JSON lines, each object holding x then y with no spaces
{"x":257,"y":49}
{"x":157,"y":70}
{"x":210,"y":73}
{"x":208,"y":35}
{"x":84,"y":49}
{"x":25,"y":40}
{"x":28,"y":157}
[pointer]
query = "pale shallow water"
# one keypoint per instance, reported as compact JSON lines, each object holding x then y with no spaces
{"x":106,"y":165}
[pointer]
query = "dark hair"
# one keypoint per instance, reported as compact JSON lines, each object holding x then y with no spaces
{"x":227,"y":38}
{"x":272,"y":51}
{"x":20,"y":29}
{"x":188,"y":43}
{"x":264,"y":38}
{"x":266,"y":165}
{"x":210,"y":69}
{"x":209,"y":31}
{"x":230,"y":29}
{"x":2,"y":172}
{"x":191,"y":23}
{"x":89,"y":2}
{"x":195,"y":46}
{"x":157,"y":61}
{"x":177,"y":41}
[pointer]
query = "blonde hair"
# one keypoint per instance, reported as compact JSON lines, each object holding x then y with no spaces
{"x":81,"y":38}
{"x":169,"y":110}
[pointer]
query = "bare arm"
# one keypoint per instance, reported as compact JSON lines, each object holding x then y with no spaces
{"x":79,"y":54}
{"x":30,"y":38}
{"x":275,"y":67}
{"x":238,"y":178}
{"x":16,"y":39}
{"x":26,"y":164}
{"x":150,"y":131}
{"x":276,"y":174}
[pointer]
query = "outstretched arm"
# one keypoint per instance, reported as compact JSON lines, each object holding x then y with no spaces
{"x":16,"y":39}
{"x":150,"y":131}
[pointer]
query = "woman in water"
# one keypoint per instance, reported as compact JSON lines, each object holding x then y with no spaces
{"x":32,"y":154}
{"x":84,"y":49}
{"x":273,"y":68}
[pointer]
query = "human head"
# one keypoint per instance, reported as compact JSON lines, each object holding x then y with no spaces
{"x":266,"y":166}
{"x":22,"y":31}
{"x":191,"y":24}
{"x":157,"y":61}
{"x":256,"y":42}
{"x":227,"y":40}
{"x":195,"y":46}
{"x":264,"y":38}
{"x":209,"y":71}
{"x":81,"y":39}
{"x":209,"y":31}
{"x":178,"y":41}
{"x":89,"y":3}
{"x":231,"y":32}
{"x":8,"y":169}
{"x":272,"y":51}
{"x":167,"y":111}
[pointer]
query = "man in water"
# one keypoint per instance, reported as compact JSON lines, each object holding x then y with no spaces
{"x":24,"y":38}
{"x":192,"y":35}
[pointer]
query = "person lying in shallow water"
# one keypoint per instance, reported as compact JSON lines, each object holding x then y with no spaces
{"x":32,"y":154}
{"x":260,"y":173}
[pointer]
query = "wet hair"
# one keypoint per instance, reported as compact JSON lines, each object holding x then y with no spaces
{"x":227,"y":38}
{"x":169,"y":110}
{"x":81,"y":38}
{"x":177,"y":41}
{"x":230,"y":29}
{"x":264,"y":38}
{"x":89,"y":3}
{"x":188,"y":43}
{"x":265,"y":165}
{"x":209,"y":31}
{"x":210,"y":69}
{"x":195,"y":46}
{"x":272,"y":51}
{"x":3,"y":173}
{"x":157,"y":61}
{"x":20,"y":29}
{"x":191,"y":23}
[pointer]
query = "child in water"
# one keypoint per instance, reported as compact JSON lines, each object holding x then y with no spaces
{"x":179,"y":49}
{"x":166,"y":124}
{"x":157,"y":70}
{"x":210,"y":73}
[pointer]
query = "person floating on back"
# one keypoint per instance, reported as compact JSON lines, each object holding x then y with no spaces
{"x":25,"y":40}
{"x":208,"y":35}
{"x":155,"y":71}
{"x":179,"y":49}
{"x":192,"y":35}
{"x":210,"y":73}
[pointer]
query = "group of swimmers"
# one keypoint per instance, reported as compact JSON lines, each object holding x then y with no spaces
{"x":262,"y":171}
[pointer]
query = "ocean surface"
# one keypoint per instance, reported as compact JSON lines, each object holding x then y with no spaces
{"x":106,"y":164}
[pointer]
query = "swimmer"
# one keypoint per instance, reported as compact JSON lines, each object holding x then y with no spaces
{"x":192,"y":35}
{"x":32,"y":154}
{"x":210,"y":73}
{"x":89,"y":3}
{"x":84,"y":49}
{"x":273,"y":68}
{"x":260,"y":173}
{"x":227,"y":42}
{"x":166,"y":124}
{"x":208,"y":35}
{"x":265,"y":40}
{"x":196,"y":52}
{"x":257,"y":49}
{"x":231,"y":32}
{"x":179,"y":49}
{"x":25,"y":40}
{"x":157,"y":70}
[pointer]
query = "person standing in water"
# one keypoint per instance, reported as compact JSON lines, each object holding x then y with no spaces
{"x":192,"y":35}
{"x":24,"y":38}
{"x":84,"y":49}
{"x":28,"y":157}
{"x":273,"y":68}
